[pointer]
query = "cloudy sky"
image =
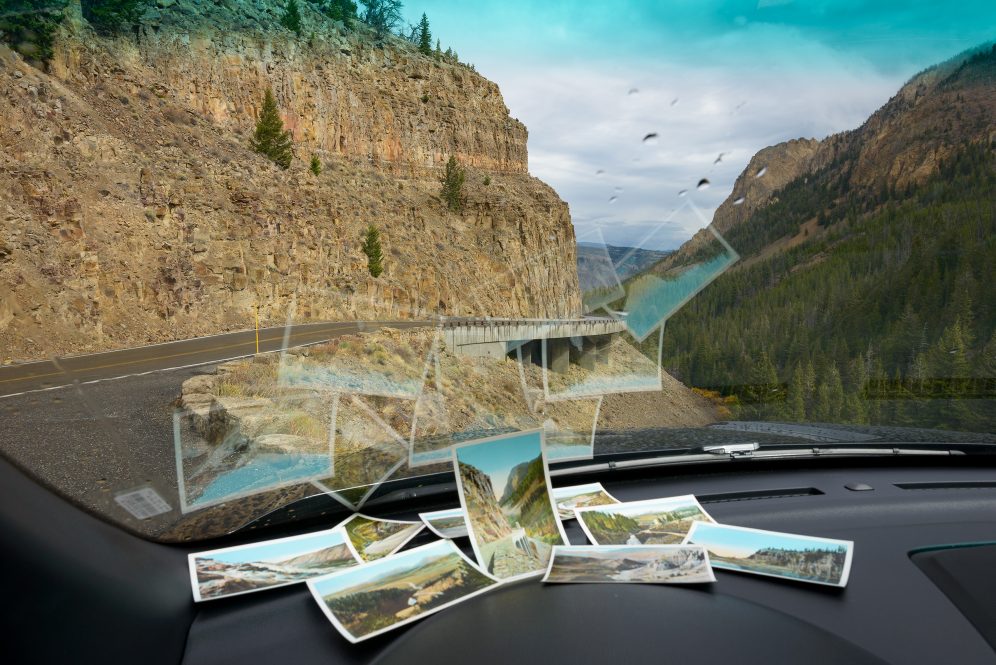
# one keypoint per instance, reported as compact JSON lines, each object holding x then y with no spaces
{"x":591,"y":79}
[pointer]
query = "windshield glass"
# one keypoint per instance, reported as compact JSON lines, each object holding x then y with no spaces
{"x":256,"y":250}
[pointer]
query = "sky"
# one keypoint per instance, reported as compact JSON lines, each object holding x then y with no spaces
{"x":496,"y":458}
{"x":739,"y":543}
{"x":590,"y":79}
{"x":273,"y":552}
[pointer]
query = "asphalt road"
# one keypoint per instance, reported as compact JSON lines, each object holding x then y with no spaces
{"x":48,"y":374}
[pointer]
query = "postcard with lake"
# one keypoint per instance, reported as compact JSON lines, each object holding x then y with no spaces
{"x":652,"y":522}
{"x":233,"y":571}
{"x":504,"y":487}
{"x":580,"y":496}
{"x":650,"y":564}
{"x":391,"y":592}
{"x":786,"y":555}
{"x":450,"y":523}
{"x":375,"y":538}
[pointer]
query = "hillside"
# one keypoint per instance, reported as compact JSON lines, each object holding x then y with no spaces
{"x":865,"y":293}
{"x":135,"y":210}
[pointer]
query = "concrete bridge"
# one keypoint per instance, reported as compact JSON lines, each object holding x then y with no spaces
{"x":581,"y":341}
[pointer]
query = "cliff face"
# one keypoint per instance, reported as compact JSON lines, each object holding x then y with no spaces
{"x":134,"y":210}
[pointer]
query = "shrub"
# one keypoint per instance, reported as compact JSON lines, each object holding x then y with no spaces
{"x":292,"y":17}
{"x":452,"y":190}
{"x":112,"y":16}
{"x":316,"y":165}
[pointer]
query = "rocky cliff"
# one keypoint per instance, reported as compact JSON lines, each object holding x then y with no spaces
{"x":135,"y":211}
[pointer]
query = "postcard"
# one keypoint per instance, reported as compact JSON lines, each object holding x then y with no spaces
{"x":374,"y":538}
{"x":805,"y":558}
{"x":580,"y":496}
{"x":448,"y":524}
{"x":504,"y":486}
{"x":233,"y":571}
{"x":653,"y":522}
{"x":655,"y":564}
{"x":377,"y":597}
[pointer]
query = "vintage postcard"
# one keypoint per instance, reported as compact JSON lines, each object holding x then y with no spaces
{"x":653,"y":522}
{"x":233,"y":571}
{"x":655,"y":564}
{"x":806,"y":558}
{"x":374,"y":538}
{"x":580,"y":496}
{"x":504,"y":486}
{"x":377,"y":597}
{"x":448,"y":524}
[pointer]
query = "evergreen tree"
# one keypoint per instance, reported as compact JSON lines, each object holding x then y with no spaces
{"x":424,"y":36}
{"x":112,"y":16}
{"x":270,"y":138}
{"x":316,"y":165}
{"x":797,"y":395}
{"x":339,"y":10}
{"x":28,"y":27}
{"x":452,"y":180}
{"x":382,"y":15}
{"x":371,"y":247}
{"x":291,"y":18}
{"x":439,"y":50}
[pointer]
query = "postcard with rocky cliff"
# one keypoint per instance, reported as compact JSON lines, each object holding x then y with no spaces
{"x":580,"y":496}
{"x":450,"y":523}
{"x":802,"y":558}
{"x":649,"y":564}
{"x":374,"y":538}
{"x":653,"y":522}
{"x":377,"y":597}
{"x":504,"y":487}
{"x":233,"y":571}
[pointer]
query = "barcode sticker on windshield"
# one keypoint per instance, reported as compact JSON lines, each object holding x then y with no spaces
{"x":143,"y":503}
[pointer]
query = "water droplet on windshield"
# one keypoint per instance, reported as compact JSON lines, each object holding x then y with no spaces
{"x":674,"y":101}
{"x":633,"y":91}
{"x":720,"y":157}
{"x":760,"y":174}
{"x":737,"y":201}
{"x":682,"y":192}
{"x":703,"y":184}
{"x":599,"y":171}
{"x":613,"y":199}
{"x":617,"y":189}
{"x":650,"y":139}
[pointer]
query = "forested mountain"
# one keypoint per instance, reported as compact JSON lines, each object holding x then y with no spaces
{"x":866,"y":286}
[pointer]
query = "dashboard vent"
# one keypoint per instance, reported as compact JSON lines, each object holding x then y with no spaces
{"x":753,"y":495}
{"x":948,"y":485}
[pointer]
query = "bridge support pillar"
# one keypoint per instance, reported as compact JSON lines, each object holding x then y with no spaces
{"x":602,"y":343}
{"x":558,"y":354}
{"x":589,"y":353}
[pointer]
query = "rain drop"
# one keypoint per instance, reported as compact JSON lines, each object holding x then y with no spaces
{"x":617,"y":189}
{"x":737,"y":201}
{"x":599,"y":171}
{"x":682,"y":192}
{"x":760,"y":174}
{"x":703,"y":184}
{"x":613,"y":199}
{"x":674,"y":101}
{"x":651,"y":138}
{"x":633,"y":91}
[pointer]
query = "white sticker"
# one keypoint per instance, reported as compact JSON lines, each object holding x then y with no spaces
{"x":143,"y":503}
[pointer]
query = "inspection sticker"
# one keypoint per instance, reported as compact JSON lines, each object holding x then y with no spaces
{"x":143,"y":503}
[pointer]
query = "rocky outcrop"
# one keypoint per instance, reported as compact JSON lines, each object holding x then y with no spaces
{"x":490,"y":523}
{"x":134,"y":210}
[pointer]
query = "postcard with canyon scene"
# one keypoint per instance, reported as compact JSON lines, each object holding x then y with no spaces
{"x":377,"y":597}
{"x":448,"y":524}
{"x":803,"y":558}
{"x":651,"y":564}
{"x":504,"y":486}
{"x":233,"y":571}
{"x":580,"y":496}
{"x":374,"y":538}
{"x":652,"y":522}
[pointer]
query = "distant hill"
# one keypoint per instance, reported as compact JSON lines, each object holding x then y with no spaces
{"x":628,"y":261}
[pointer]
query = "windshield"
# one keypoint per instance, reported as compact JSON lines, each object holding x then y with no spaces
{"x":254,"y":250}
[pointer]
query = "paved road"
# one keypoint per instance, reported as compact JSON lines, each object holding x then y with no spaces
{"x":112,"y":364}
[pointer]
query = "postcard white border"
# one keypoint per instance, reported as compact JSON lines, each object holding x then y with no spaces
{"x":847,"y":558}
{"x":438,"y":543}
{"x":627,"y":504}
{"x":594,"y":548}
{"x":463,"y":499}
{"x":436,"y":514}
{"x":342,"y":525}
{"x":192,"y":558}
{"x":572,"y":516}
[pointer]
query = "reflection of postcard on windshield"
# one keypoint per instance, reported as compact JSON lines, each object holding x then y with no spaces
{"x":450,"y":523}
{"x":233,"y":571}
{"x":374,"y":538}
{"x":377,"y":597}
{"x":803,"y":558}
{"x":653,"y":522}
{"x":654,"y":564}
{"x":580,"y":496}
{"x":504,"y":486}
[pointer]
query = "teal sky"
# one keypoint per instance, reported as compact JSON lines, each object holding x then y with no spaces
{"x":496,"y":458}
{"x":278,"y":551}
{"x":711,"y":77}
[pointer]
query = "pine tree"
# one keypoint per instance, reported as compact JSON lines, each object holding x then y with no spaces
{"x":797,"y":395}
{"x":112,"y":16}
{"x":371,"y":247}
{"x":292,"y":17}
{"x":316,"y":165}
{"x":28,"y":27}
{"x":424,"y":36}
{"x":340,"y":10}
{"x":452,"y":191}
{"x":439,"y":51}
{"x":270,"y":138}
